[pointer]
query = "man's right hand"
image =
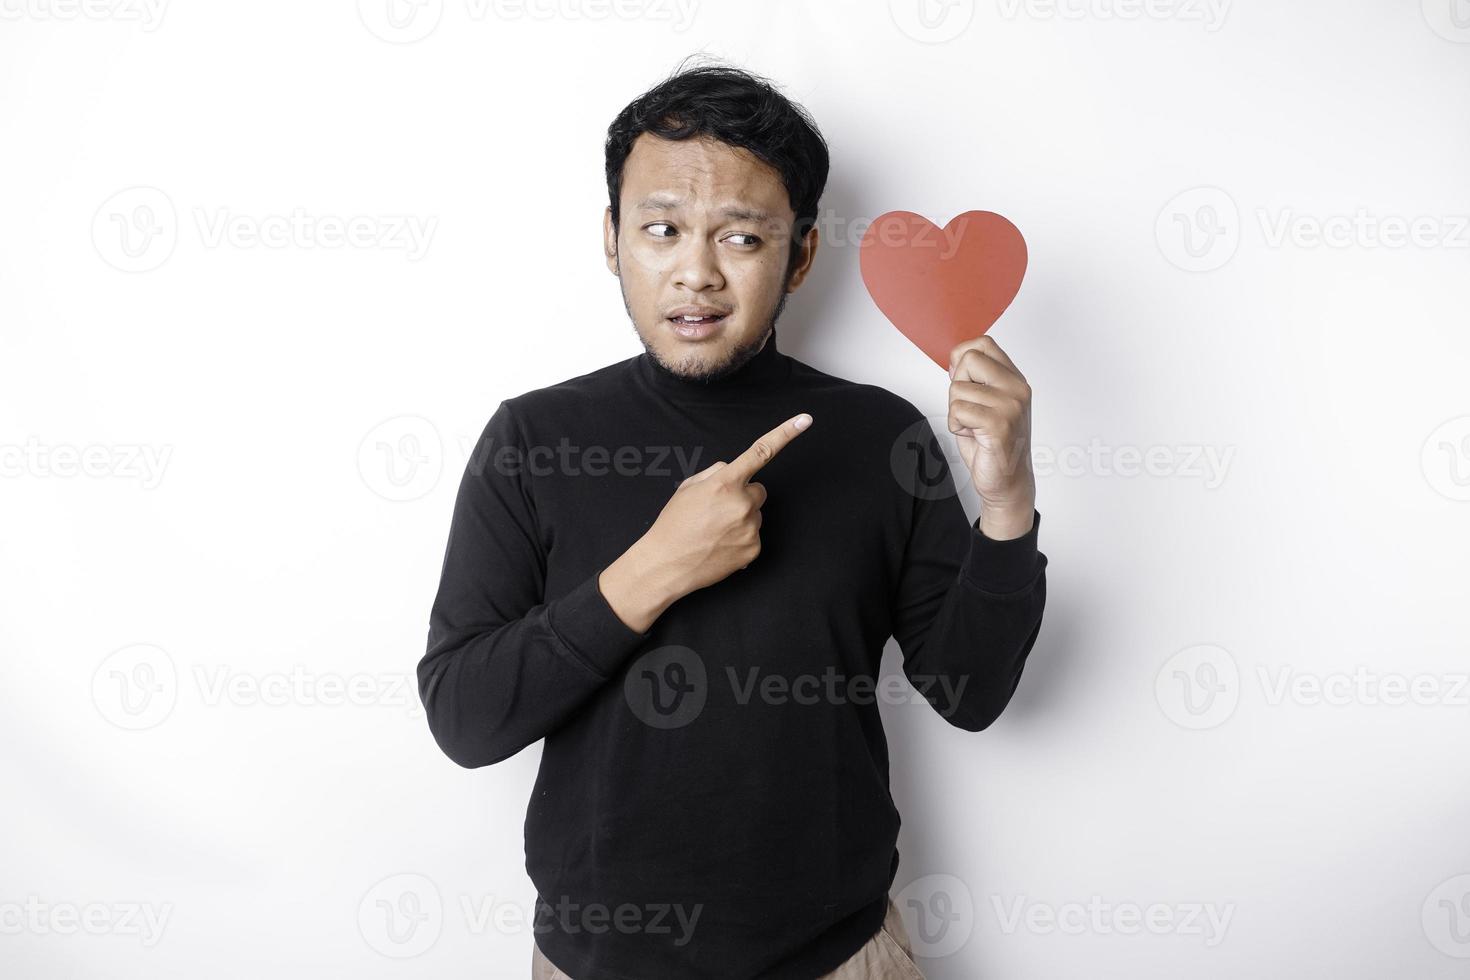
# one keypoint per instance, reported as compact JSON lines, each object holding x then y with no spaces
{"x":709,"y":528}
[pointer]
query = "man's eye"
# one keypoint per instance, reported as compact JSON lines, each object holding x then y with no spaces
{"x":753,"y":239}
{"x":660,"y":224}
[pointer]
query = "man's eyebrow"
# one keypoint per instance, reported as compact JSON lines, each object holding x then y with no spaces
{"x":658,"y":203}
{"x":746,"y":214}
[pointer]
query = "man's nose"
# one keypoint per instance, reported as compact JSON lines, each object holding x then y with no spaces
{"x":697,"y":267}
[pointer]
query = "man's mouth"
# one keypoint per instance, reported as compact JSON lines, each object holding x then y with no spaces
{"x":694,"y":326}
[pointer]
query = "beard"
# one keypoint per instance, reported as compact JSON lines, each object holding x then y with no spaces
{"x":734,"y":359}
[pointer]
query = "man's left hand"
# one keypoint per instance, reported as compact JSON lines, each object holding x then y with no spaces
{"x":990,"y":416}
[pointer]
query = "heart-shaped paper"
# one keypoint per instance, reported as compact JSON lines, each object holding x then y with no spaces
{"x":942,"y":286}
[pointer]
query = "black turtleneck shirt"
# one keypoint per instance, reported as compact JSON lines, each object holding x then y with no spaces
{"x":713,"y":795}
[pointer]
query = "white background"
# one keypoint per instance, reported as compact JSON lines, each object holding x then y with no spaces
{"x":229,"y":463}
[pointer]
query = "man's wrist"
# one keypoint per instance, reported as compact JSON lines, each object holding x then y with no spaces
{"x":1006,"y":523}
{"x":637,"y":588}
{"x":1002,"y":567}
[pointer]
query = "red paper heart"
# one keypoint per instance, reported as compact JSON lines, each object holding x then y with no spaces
{"x":941,"y":287}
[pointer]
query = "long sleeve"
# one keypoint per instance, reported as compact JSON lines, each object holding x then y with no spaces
{"x":967,"y":609}
{"x":504,"y":665}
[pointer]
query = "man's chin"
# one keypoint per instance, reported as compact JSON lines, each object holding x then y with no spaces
{"x":706,"y":361}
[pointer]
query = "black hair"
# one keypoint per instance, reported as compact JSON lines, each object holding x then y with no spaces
{"x":735,"y":107}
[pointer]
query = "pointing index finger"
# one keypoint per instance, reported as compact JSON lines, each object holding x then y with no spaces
{"x":764,"y":449}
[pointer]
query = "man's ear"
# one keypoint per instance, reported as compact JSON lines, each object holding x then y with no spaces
{"x":609,"y":241}
{"x":809,"y":243}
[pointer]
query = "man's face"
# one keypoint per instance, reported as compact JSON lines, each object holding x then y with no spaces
{"x":704,"y":226}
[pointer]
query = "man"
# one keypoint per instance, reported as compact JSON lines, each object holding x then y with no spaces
{"x":681,"y":570}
